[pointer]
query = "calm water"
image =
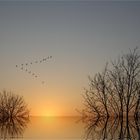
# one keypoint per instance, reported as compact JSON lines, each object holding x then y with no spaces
{"x":54,"y":128}
{"x":70,"y":128}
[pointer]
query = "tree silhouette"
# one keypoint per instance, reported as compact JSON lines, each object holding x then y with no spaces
{"x":116,"y":90}
{"x":12,"y":106}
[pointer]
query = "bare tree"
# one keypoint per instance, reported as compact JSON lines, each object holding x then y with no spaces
{"x":116,"y":91}
{"x":12,"y":106}
{"x":131,"y":67}
{"x":117,"y":80}
{"x":96,"y":97}
{"x":100,"y":85}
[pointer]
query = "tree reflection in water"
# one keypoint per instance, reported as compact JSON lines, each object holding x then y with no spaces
{"x":14,"y":115}
{"x":112,"y":129}
{"x":13,"y":127}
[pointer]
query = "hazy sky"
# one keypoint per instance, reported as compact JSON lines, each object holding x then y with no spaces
{"x":81,"y":37}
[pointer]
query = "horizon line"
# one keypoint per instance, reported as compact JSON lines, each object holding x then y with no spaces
{"x":54,"y":116}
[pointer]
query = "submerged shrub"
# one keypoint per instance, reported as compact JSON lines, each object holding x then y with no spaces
{"x":12,"y":106}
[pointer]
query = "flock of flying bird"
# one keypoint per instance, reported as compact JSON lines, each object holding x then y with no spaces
{"x":25,"y":66}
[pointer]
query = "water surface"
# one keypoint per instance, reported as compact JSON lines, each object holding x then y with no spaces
{"x":54,"y":128}
{"x":70,"y":128}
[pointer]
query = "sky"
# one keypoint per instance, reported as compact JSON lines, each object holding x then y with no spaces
{"x":81,"y":36}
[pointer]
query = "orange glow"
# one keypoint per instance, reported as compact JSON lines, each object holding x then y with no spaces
{"x":49,"y":112}
{"x":49,"y":102}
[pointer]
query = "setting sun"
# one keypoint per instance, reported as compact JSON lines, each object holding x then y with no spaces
{"x":49,"y":112}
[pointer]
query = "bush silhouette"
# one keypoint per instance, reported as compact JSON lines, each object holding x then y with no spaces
{"x":12,"y":106}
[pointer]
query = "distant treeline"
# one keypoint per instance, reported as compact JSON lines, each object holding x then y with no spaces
{"x":115,"y":91}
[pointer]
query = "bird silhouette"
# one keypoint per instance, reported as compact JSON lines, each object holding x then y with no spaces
{"x":25,"y":67}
